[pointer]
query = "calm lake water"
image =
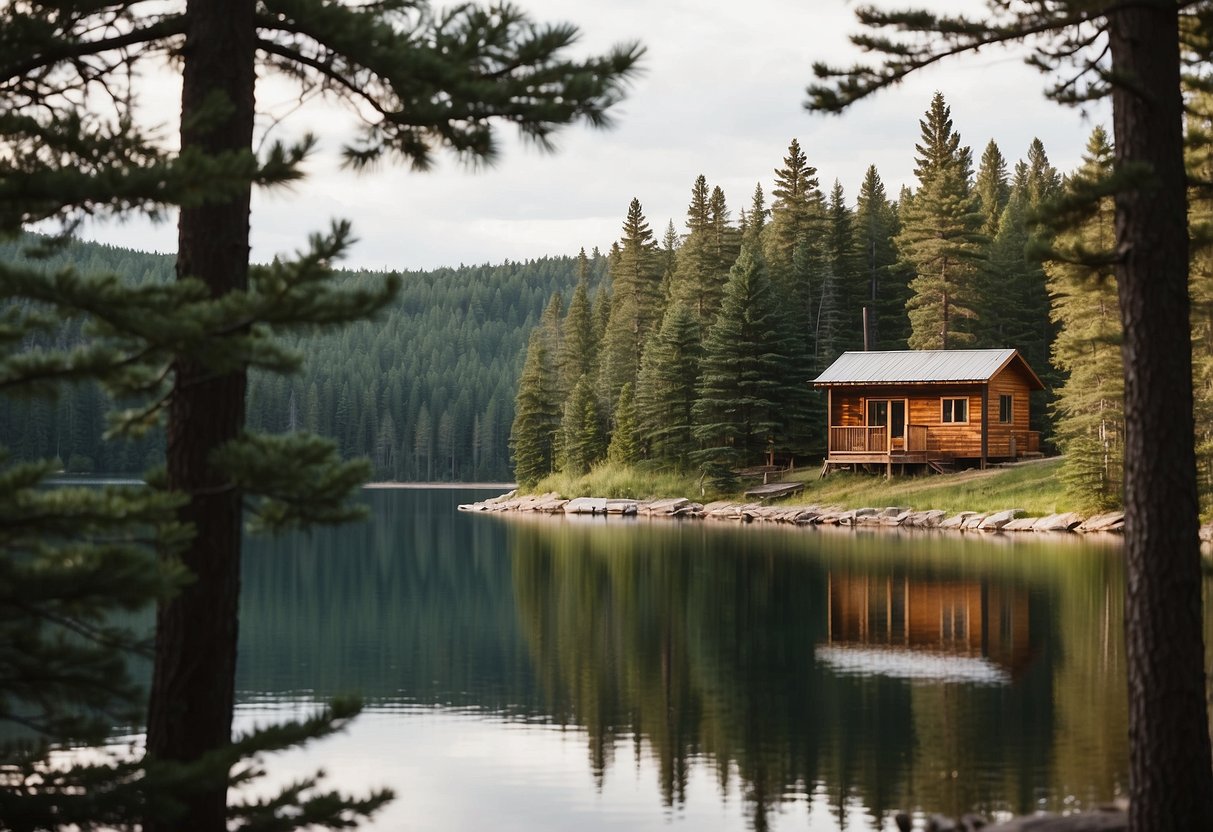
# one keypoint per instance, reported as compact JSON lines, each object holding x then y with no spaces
{"x":551,"y":674}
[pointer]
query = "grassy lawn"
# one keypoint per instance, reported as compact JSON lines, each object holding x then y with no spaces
{"x":622,"y":481}
{"x":1032,"y":486}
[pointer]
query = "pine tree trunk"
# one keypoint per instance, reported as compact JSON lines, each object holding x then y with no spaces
{"x":190,"y":707}
{"x":1170,"y":767}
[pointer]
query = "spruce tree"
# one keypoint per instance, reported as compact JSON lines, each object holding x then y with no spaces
{"x":793,"y":250}
{"x":666,"y":389}
{"x":840,"y":305}
{"x":940,"y":237}
{"x":669,"y":260}
{"x":1090,"y":416}
{"x":602,"y":314}
{"x":696,"y":273}
{"x":582,"y":430}
{"x":725,"y":243}
{"x":1015,"y":297}
{"x":992,"y":188}
{"x":636,"y":305}
{"x":707,"y":253}
{"x":1042,"y":180}
{"x":533,"y":436}
{"x":625,"y":447}
{"x":756,"y":220}
{"x":551,"y":324}
{"x":741,"y":406}
{"x":579,"y":348}
{"x":887,"y":285}
{"x":795,"y":214}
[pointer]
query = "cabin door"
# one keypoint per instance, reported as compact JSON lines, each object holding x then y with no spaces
{"x":890,"y":414}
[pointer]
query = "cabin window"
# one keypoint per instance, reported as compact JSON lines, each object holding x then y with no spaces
{"x":878,"y":413}
{"x":1004,"y":408}
{"x":955,"y":410}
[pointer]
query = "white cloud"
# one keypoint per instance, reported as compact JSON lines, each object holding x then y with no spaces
{"x":722,"y":93}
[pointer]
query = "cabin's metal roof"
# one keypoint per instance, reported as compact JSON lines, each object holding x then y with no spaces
{"x":918,"y":366}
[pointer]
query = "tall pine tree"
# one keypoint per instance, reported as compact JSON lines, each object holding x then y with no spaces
{"x":741,"y":408}
{"x":582,"y":429}
{"x":666,"y":389}
{"x":940,"y":237}
{"x":636,"y":305}
{"x":1090,"y":412}
{"x":533,"y":436}
{"x":697,"y":279}
{"x":887,"y":285}
{"x":992,"y":187}
{"x":579,"y":347}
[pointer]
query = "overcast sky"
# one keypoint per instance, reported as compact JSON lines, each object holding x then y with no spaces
{"x":721,"y":93}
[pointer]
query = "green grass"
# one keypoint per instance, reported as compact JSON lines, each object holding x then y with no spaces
{"x":1033,"y":487}
{"x":621,"y":481}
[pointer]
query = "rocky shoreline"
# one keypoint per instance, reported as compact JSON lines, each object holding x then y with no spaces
{"x":1007,"y":520}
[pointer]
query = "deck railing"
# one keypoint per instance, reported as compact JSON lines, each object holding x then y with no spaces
{"x":864,"y":439}
{"x":875,"y":439}
{"x":858,"y":440}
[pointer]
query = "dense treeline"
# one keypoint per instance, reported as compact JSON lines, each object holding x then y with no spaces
{"x":426,"y":390}
{"x":695,"y":351}
{"x":711,"y":338}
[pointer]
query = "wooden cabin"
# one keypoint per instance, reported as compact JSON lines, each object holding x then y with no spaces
{"x":936,"y":408}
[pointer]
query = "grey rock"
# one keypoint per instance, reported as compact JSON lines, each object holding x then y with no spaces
{"x":995,"y":521}
{"x":974,"y":522}
{"x":1059,"y":522}
{"x":1110,"y":522}
{"x":957,"y":520}
{"x":586,"y":505}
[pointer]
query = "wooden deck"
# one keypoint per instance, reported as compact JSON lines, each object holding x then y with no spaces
{"x":875,"y":445}
{"x":854,"y":445}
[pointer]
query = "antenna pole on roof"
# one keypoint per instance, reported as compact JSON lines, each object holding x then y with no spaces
{"x":867,"y":329}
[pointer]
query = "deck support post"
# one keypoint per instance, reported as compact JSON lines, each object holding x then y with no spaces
{"x":985,"y":424}
{"x":829,"y":421}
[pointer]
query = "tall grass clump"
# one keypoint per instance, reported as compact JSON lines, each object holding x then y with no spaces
{"x":616,"y":480}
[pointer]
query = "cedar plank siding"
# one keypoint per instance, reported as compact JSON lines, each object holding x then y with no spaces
{"x":1010,"y":381}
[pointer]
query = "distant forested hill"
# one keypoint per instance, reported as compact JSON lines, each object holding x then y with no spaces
{"x":426,"y":390}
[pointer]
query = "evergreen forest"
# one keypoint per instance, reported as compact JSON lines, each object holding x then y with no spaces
{"x":425,"y":390}
{"x":698,"y":352}
{"x":694,"y":349}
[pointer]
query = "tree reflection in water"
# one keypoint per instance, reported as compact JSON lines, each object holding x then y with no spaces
{"x":866,"y":671}
{"x":932,"y":671}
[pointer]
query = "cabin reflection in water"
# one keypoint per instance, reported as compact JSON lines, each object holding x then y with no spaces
{"x":931,"y":629}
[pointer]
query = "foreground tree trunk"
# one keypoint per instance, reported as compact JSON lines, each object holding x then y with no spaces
{"x":1170,"y":776}
{"x":190,"y":709}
